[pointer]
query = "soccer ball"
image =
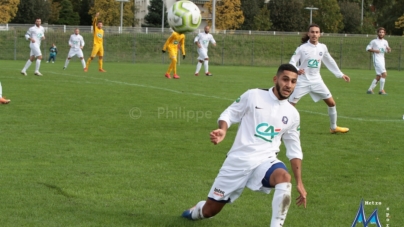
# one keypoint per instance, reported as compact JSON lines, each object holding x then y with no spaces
{"x":184,"y":16}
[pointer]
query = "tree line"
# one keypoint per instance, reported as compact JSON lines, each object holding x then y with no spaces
{"x":334,"y":16}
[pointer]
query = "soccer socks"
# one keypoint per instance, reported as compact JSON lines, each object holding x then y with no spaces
{"x":206,"y":66}
{"x":198,"y":67}
{"x":332,"y":113}
{"x":83,"y":63}
{"x":37,"y":65}
{"x":88,"y":63}
{"x":197,"y":212}
{"x":382,"y":81}
{"x":172,"y":66}
{"x":66,"y":62}
{"x":100,"y":63}
{"x":280,"y":203}
{"x":373,"y":85}
{"x":27,"y":65}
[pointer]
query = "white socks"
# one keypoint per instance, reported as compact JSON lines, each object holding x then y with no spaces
{"x":38,"y":63}
{"x":83,"y":63}
{"x":198,"y":67}
{"x":206,"y":66}
{"x":373,"y":85}
{"x":332,"y":113}
{"x":27,"y":65}
{"x":66,"y":62}
{"x":197,"y":212}
{"x":280,"y":203}
{"x":382,"y":81}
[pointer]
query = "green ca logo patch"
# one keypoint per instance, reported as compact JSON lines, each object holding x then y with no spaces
{"x":266,"y":132}
{"x":313,"y":63}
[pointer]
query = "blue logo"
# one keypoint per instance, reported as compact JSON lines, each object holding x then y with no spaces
{"x":285,"y":120}
{"x":361,"y":218}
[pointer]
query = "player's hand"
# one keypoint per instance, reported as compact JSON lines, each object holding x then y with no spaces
{"x":216,"y":136}
{"x":163,"y":51}
{"x":32,"y":40}
{"x":376,"y":51}
{"x":81,"y":47}
{"x":183,"y":56}
{"x":346,"y":78}
{"x":302,"y":199}
{"x":388,"y":49}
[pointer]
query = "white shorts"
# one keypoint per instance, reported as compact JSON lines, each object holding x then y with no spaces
{"x":380,"y":69}
{"x":318,"y":91}
{"x":73,"y":52}
{"x":203,"y":54}
{"x":35,"y":50}
{"x":229,"y":184}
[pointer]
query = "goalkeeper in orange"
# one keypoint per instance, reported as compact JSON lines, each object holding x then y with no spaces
{"x":172,"y":46}
{"x":98,"y":48}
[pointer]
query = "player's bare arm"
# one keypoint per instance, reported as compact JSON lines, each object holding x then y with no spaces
{"x":374,"y":51}
{"x":218,"y":135}
{"x":346,"y":78}
{"x":296,"y":165}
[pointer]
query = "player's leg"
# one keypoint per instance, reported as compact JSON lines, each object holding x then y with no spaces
{"x":80,"y":55}
{"x":93,"y":54}
{"x":100,"y":59}
{"x":198,"y":67}
{"x":54,"y":58}
{"x":382,"y":83}
{"x":38,"y":56}
{"x":3,"y":100}
{"x":173,"y":64}
{"x":332,"y":113}
{"x":373,"y":84}
{"x":300,"y":91}
{"x":67,"y":62}
{"x":29,"y":62}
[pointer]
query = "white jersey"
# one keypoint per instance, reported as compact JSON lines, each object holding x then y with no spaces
{"x":310,"y":57}
{"x":35,"y":33}
{"x":264,"y":121}
{"x":76,"y":41}
{"x":204,"y":39}
{"x":381,"y":45}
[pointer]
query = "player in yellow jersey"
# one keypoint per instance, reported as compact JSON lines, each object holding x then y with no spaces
{"x":172,"y":45}
{"x":98,"y":48}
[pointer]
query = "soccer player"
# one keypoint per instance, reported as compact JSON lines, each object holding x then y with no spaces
{"x":35,"y":35}
{"x":98,"y":48}
{"x":266,"y":118}
{"x":172,"y":46}
{"x":311,"y":54}
{"x":2,"y":99}
{"x":202,"y":41}
{"x":53,"y":50}
{"x":76,"y":43}
{"x":378,"y":47}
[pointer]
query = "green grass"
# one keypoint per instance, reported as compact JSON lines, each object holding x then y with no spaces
{"x":103,"y":149}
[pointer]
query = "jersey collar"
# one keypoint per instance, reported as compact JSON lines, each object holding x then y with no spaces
{"x":273,"y":96}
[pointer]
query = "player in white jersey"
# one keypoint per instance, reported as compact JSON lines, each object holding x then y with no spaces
{"x":35,"y":35}
{"x":2,"y":99}
{"x":266,"y":117}
{"x":310,"y":54}
{"x":76,"y":43}
{"x":378,"y":47}
{"x":202,"y":41}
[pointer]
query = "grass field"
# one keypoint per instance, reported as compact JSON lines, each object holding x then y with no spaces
{"x":131,"y":148}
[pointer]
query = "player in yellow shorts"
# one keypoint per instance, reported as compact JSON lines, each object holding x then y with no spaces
{"x":98,"y":48}
{"x":172,"y":46}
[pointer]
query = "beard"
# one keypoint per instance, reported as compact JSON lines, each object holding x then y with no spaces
{"x":278,"y":89}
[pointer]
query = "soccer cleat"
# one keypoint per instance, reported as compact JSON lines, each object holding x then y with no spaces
{"x":208,"y":74}
{"x":370,"y":92}
{"x":37,"y":73}
{"x":339,"y":129}
{"x":4,"y":101}
{"x":101,"y":70}
{"x":176,"y":76}
{"x":24,"y":73}
{"x":196,"y":74}
{"x":382,"y":92}
{"x":167,"y":75}
{"x":53,"y":62}
{"x":188,"y":213}
{"x":85,"y":69}
{"x":47,"y":61}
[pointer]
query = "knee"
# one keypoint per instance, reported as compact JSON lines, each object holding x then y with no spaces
{"x":283,"y":177}
{"x":201,"y":61}
{"x":206,"y":59}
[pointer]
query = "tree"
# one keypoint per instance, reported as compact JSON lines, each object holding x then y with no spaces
{"x":328,"y":16}
{"x":153,"y":18}
{"x":66,"y":14}
{"x":54,"y":15}
{"x":228,"y":14}
{"x":351,"y":18}
{"x":85,"y":17}
{"x":388,"y":14}
{"x":399,"y":24}
{"x":287,"y":15}
{"x":250,"y":9}
{"x":8,"y":9}
{"x":110,"y":12}
{"x":29,"y":10}
{"x":262,"y":21}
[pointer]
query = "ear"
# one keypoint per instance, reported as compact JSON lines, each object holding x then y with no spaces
{"x":275,"y":79}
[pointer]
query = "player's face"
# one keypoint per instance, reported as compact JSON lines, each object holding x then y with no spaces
{"x":99,"y":25}
{"x":314,"y":34}
{"x":38,"y":22}
{"x":381,"y":34}
{"x":285,"y":83}
{"x":76,"y":31}
{"x":207,"y":29}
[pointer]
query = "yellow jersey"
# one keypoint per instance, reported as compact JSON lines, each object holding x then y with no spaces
{"x":98,"y":33}
{"x":173,"y":41}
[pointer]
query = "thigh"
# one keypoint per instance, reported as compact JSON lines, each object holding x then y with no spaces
{"x":380,"y":69}
{"x":300,"y":91}
{"x":259,"y":180}
{"x":95,"y":50}
{"x":35,"y":50}
{"x":203,"y":53}
{"x":172,"y":55}
{"x":101,"y":51}
{"x":320,"y":91}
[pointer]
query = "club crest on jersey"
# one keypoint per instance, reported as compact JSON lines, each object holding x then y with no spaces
{"x":285,"y":120}
{"x":313,"y":63}
{"x":99,"y":35}
{"x":176,"y":42}
{"x":321,"y":53}
{"x":266,"y":132}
